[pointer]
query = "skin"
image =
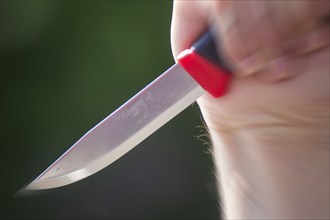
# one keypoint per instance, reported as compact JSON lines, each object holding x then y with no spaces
{"x":270,"y":133}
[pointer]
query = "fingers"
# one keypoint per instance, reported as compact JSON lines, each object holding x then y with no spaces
{"x":263,"y":37}
{"x":311,"y":42}
{"x":189,"y":21}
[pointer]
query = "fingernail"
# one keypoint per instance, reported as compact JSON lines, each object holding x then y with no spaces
{"x":308,"y":44}
{"x":250,"y":65}
{"x":279,"y":69}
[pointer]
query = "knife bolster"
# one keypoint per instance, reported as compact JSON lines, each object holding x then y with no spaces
{"x":209,"y":76}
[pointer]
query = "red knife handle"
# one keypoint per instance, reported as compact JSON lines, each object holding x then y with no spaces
{"x":204,"y":64}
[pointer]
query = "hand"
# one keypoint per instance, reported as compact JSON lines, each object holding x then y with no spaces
{"x":270,"y":133}
{"x":257,"y":37}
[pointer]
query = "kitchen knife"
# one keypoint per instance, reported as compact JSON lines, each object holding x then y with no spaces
{"x":199,"y":69}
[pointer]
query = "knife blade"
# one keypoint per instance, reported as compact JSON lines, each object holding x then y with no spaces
{"x":199,"y":69}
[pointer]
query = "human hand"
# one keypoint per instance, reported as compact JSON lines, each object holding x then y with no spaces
{"x":255,"y":36}
{"x":270,"y":133}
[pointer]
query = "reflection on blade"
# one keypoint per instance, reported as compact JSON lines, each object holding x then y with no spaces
{"x":130,"y":124}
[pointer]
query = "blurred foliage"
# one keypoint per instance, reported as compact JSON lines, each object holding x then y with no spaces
{"x":65,"y":65}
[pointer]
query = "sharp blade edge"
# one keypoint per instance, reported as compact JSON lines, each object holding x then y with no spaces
{"x":130,"y":124}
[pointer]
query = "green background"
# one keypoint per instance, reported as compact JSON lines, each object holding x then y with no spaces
{"x":65,"y":65}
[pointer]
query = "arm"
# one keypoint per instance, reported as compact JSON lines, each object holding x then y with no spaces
{"x":270,"y":133}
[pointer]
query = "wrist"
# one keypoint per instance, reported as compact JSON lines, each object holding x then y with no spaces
{"x":264,"y":175}
{"x":271,"y":145}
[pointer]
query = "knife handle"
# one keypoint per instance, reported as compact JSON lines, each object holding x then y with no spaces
{"x":203,"y":62}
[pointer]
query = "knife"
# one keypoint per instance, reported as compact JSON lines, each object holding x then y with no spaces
{"x":199,"y":69}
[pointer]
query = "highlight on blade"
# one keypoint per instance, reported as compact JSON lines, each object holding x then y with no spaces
{"x":122,"y":130}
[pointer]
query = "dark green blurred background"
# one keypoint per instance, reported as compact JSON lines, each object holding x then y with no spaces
{"x":65,"y":65}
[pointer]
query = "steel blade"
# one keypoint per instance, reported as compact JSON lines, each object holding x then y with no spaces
{"x":122,"y":130}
